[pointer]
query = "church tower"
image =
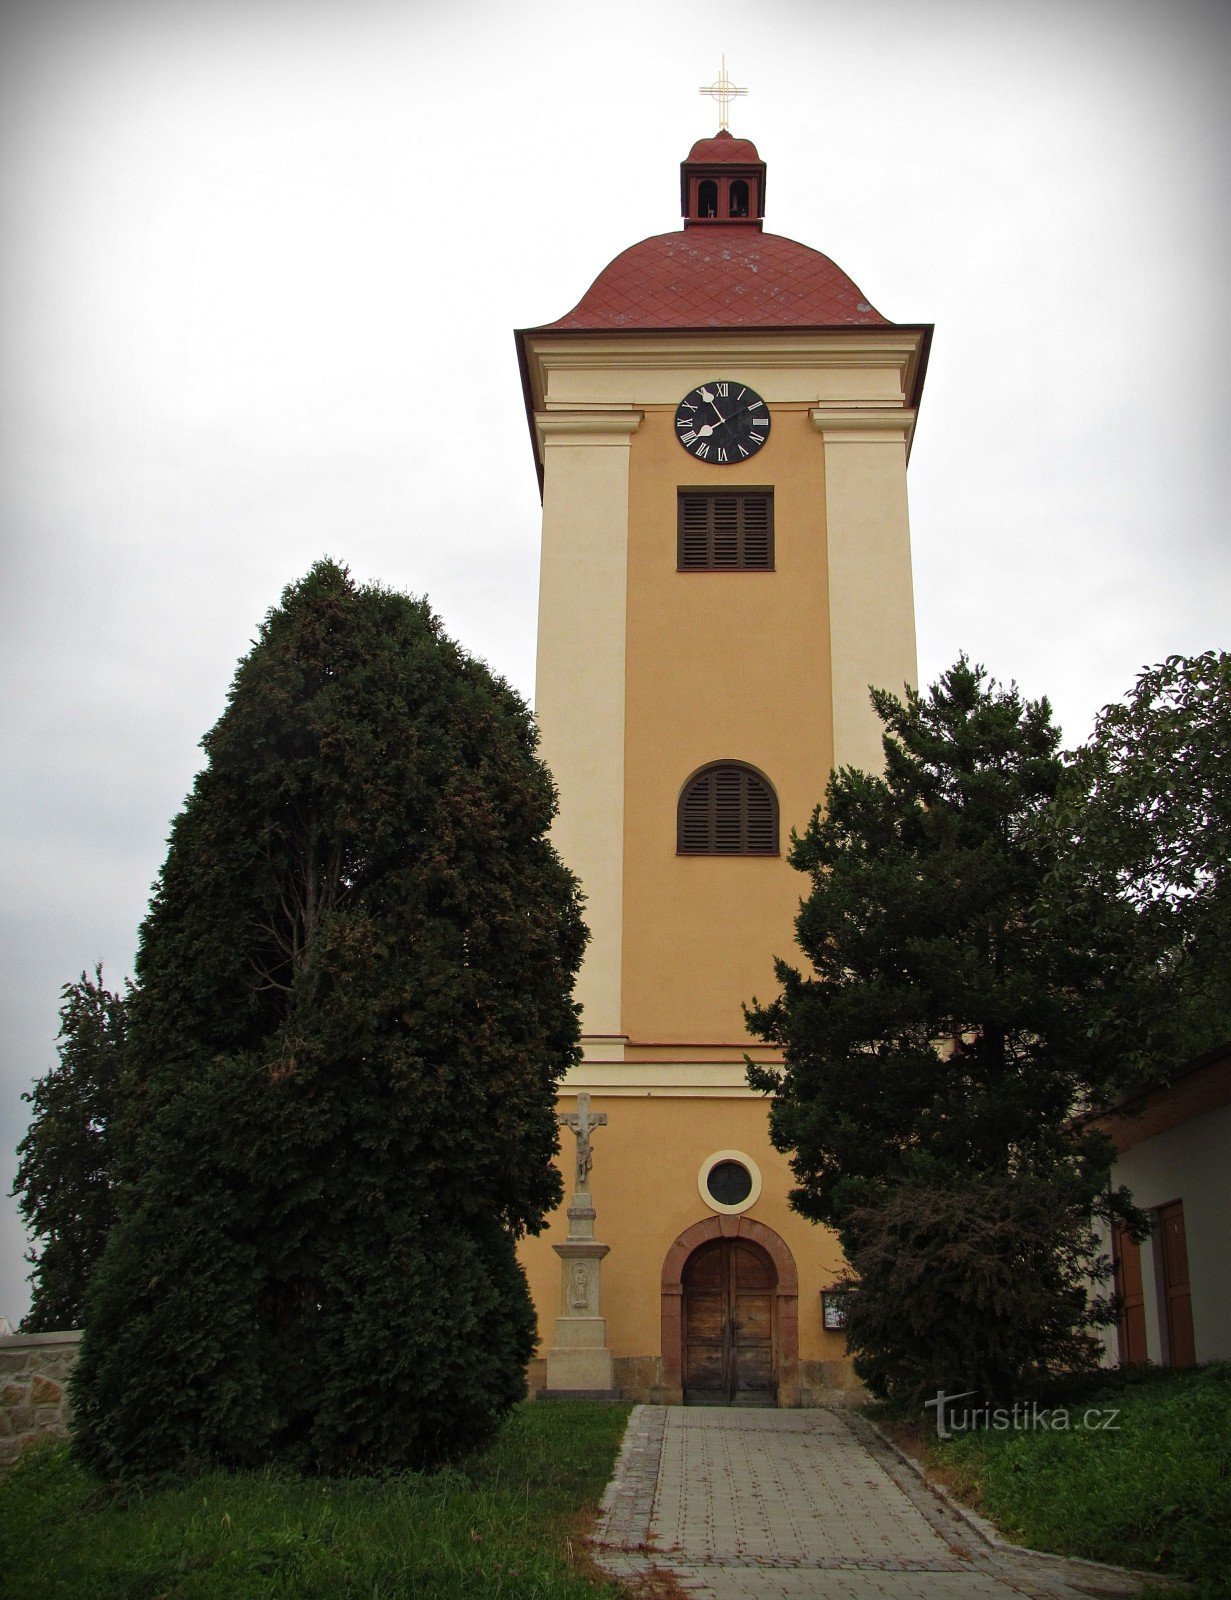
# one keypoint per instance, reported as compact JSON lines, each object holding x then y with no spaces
{"x":721,"y":428}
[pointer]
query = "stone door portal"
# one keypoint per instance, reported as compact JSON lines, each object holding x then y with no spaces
{"x":729,"y":1356}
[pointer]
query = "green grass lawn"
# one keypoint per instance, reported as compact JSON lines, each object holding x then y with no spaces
{"x":509,"y":1524}
{"x":1152,"y":1492}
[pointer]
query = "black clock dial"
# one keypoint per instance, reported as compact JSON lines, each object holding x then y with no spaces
{"x":722,"y":422}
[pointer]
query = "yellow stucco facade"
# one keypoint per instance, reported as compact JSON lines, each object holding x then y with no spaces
{"x":646,"y":674}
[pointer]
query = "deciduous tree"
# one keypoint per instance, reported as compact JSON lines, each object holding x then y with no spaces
{"x":64,"y":1180}
{"x":1145,"y":822}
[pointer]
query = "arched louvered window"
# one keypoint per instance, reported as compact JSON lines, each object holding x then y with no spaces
{"x":727,"y":810}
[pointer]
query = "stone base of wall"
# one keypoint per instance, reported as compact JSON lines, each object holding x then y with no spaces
{"x":34,"y":1369}
{"x":823,"y":1382}
{"x":640,"y":1379}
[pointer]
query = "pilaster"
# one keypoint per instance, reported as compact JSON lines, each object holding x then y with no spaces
{"x":579,"y":697}
{"x":871,"y":595}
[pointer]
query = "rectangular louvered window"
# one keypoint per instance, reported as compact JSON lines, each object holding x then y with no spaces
{"x":730,"y":530}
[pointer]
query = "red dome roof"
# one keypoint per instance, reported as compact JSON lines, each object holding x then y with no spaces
{"x":721,"y":277}
{"x":724,"y":148}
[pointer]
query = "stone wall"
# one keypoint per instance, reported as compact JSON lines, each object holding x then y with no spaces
{"x":34,"y":1369}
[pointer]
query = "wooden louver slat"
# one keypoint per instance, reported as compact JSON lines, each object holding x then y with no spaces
{"x":725,"y":531}
{"x":757,"y":530}
{"x":727,"y":809}
{"x":694,"y":527}
{"x":695,"y":818}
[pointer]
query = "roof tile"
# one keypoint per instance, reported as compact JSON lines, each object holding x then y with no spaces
{"x":723,"y":149}
{"x":721,"y":277}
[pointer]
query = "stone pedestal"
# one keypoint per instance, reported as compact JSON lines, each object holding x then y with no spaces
{"x":579,"y":1363}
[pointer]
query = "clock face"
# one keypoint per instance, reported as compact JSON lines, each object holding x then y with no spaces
{"x":722,"y":422}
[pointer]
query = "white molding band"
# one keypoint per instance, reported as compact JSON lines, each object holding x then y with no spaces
{"x":866,"y":367}
{"x":605,"y":1047}
{"x":720,"y":1080}
{"x":863,"y":347}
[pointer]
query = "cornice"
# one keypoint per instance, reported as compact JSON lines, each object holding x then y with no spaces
{"x":863,"y":426}
{"x":592,"y":428}
{"x":899,"y":347}
{"x":781,"y":348}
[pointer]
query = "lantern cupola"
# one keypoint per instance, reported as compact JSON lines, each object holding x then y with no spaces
{"x":722,"y":182}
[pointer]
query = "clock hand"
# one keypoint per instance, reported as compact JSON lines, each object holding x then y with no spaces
{"x":710,"y":400}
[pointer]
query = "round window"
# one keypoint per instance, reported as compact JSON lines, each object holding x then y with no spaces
{"x":729,"y":1182}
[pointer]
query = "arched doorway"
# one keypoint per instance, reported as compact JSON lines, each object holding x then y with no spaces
{"x":783,"y":1292}
{"x":729,"y":1355}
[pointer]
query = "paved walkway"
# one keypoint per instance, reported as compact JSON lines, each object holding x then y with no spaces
{"x":804,"y":1505}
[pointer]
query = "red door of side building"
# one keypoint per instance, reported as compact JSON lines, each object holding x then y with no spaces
{"x":1126,"y":1254}
{"x":1182,"y":1350}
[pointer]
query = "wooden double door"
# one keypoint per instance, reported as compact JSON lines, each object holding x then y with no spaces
{"x":729,"y":1345}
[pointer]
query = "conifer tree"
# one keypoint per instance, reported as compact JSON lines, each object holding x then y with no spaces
{"x":64,"y":1180}
{"x":937,"y":1041}
{"x":352,"y":1009}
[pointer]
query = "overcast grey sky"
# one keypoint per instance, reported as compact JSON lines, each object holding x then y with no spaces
{"x":262,"y":260}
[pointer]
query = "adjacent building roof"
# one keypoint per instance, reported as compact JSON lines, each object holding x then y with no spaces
{"x":1201,"y":1085}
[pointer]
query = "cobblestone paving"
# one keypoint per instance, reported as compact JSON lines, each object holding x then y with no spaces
{"x":804,"y":1505}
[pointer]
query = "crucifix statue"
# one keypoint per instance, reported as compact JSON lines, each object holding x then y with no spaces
{"x":580,"y":1361}
{"x":583,"y":1124}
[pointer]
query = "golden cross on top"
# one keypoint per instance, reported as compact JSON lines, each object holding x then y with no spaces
{"x":724,"y":91}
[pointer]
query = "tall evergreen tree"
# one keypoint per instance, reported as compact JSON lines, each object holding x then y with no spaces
{"x":352,"y":1009}
{"x":938,"y":1038}
{"x":64,"y":1177}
